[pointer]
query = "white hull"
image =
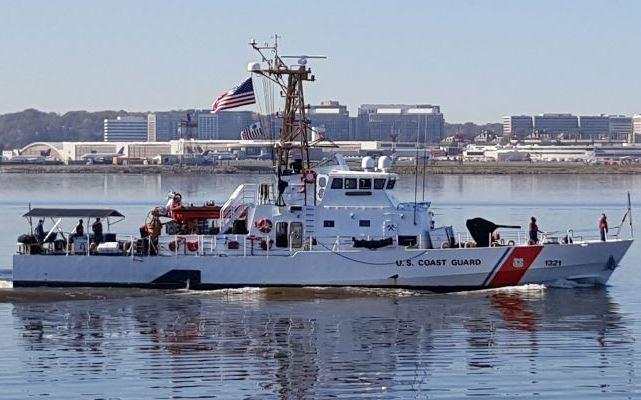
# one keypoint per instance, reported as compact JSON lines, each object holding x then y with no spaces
{"x":442,"y":269}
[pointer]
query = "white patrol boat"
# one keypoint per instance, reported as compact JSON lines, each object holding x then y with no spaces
{"x":313,"y":225}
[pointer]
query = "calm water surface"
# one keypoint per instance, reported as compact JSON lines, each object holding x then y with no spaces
{"x":528,"y":342}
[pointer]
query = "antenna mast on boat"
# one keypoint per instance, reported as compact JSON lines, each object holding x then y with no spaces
{"x":293,"y":140}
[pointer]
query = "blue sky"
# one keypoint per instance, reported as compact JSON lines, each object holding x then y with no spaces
{"x":479,"y":60}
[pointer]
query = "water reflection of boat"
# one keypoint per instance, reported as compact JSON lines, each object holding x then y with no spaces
{"x":297,"y":344}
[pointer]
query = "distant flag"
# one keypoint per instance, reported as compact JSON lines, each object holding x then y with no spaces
{"x":239,"y":96}
{"x":252,"y":132}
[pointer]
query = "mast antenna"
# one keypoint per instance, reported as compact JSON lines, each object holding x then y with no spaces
{"x":294,"y":135}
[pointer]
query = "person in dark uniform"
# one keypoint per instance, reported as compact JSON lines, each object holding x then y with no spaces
{"x":97,"y":231}
{"x":603,"y":226}
{"x":39,"y":232}
{"x":533,"y":232}
{"x":79,"y":230}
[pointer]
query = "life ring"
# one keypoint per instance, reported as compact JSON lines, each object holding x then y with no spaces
{"x":192,"y":246}
{"x":470,"y":244}
{"x":511,"y":243}
{"x":309,"y":176}
{"x":176,"y":244}
{"x":264,"y":225}
{"x":445,"y":245}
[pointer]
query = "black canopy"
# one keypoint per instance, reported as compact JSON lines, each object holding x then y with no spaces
{"x":73,"y":213}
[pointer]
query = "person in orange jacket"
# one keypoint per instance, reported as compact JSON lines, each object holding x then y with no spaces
{"x":603,"y":226}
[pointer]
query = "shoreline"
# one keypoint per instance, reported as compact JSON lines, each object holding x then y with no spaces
{"x":265,"y":167}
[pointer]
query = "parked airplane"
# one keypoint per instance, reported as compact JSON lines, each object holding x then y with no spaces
{"x":102,"y":158}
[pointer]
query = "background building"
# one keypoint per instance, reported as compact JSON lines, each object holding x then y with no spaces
{"x":594,"y":126}
{"x":333,"y":117}
{"x":636,"y":128}
{"x":556,"y":123}
{"x":400,"y":122}
{"x":125,"y":129}
{"x":517,"y":126}
{"x":224,"y":125}
{"x":163,"y":126}
{"x":621,"y":128}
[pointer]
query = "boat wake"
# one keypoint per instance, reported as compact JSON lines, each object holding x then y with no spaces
{"x":572,"y":284}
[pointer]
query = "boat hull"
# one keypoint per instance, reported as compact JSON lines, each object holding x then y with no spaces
{"x":438,"y":269}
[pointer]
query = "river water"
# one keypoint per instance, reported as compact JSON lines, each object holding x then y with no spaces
{"x":526,"y":342}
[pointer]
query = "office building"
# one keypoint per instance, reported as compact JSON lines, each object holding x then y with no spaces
{"x":164,"y":126}
{"x":125,"y":129}
{"x":556,"y":123}
{"x":517,"y":126}
{"x":621,"y":128}
{"x":331,"y":116}
{"x":636,"y":128}
{"x":224,"y":125}
{"x":594,"y":126}
{"x":400,"y":122}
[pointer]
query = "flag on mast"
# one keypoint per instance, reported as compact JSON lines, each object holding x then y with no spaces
{"x":252,"y":132}
{"x":241,"y":95}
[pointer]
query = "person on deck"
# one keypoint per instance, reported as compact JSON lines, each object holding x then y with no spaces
{"x":533,"y":232}
{"x":603,"y":226}
{"x":79,"y":230}
{"x":97,"y":231}
{"x":39,"y":232}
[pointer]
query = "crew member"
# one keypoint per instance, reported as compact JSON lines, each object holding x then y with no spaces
{"x":79,"y":230}
{"x":603,"y":226}
{"x":534,"y":231}
{"x":40,"y":230}
{"x":97,"y":231}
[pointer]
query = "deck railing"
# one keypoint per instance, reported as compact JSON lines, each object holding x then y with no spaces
{"x":251,"y":245}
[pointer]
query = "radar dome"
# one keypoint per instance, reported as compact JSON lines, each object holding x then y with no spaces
{"x":384,"y":163}
{"x":254,"y":66}
{"x":367,"y":163}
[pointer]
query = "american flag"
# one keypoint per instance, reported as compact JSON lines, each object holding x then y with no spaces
{"x":241,"y":95}
{"x":252,"y":132}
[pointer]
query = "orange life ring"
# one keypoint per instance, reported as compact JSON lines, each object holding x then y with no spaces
{"x":309,"y":176}
{"x":264,"y":225}
{"x":192,"y":246}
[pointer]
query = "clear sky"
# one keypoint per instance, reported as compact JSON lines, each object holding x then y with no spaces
{"x":479,"y":60}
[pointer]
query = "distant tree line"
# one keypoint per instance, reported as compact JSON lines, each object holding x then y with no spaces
{"x":24,"y":127}
{"x":21,"y":128}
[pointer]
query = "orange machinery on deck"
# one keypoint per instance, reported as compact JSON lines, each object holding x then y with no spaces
{"x":190,"y":213}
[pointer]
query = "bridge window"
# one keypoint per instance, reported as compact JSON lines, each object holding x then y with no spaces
{"x":364,"y":223}
{"x":379,"y":183}
{"x":328,"y":224}
{"x":365,"y":183}
{"x":337,"y":183}
{"x":350,"y":183}
{"x":390,"y":183}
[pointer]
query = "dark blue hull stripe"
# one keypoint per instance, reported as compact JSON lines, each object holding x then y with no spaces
{"x":497,"y":266}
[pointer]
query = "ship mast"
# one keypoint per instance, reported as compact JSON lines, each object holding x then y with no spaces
{"x":293,"y":139}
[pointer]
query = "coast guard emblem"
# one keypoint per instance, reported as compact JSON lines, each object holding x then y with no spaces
{"x":517,"y":263}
